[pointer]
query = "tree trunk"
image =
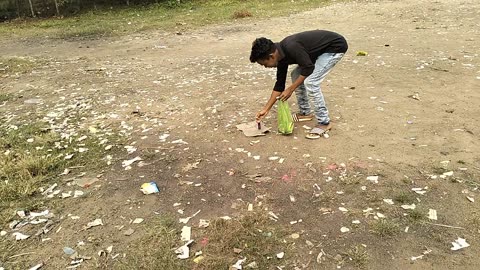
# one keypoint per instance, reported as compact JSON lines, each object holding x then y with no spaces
{"x":31,"y":8}
{"x":18,"y":8}
{"x":56,"y":7}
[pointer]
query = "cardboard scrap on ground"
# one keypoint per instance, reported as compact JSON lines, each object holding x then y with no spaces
{"x":251,"y":129}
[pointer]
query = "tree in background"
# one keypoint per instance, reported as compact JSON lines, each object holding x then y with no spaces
{"x":11,"y":9}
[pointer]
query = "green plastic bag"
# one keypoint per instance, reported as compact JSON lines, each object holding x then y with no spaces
{"x":285,"y":119}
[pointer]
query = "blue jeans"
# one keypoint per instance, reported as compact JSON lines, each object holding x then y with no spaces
{"x":310,"y":89}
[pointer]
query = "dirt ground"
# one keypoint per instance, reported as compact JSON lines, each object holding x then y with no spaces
{"x":407,"y":112}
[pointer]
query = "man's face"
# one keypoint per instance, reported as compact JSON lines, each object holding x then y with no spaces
{"x":270,"y":62}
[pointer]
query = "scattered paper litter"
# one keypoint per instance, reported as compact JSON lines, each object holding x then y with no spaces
{"x":471,"y":199}
{"x":420,"y":191}
{"x":321,"y":256}
{"x":198,"y":259}
{"x":238,"y":264}
{"x":459,"y":244}
{"x":343,"y":209}
{"x":127,"y":163}
{"x":432,"y":214}
{"x":344,"y":229}
{"x":149,"y":188}
{"x":409,"y":207}
{"x":388,"y":201}
{"x":186,"y":233}
{"x":20,"y":236}
{"x":77,"y":193}
{"x":130,"y":149}
{"x":129,"y":232}
{"x":164,"y":137}
{"x":373,"y":179}
{"x":184,"y":251}
{"x":427,"y":251}
{"x":39,"y":214}
{"x":138,"y":221}
{"x":273,"y":216}
{"x":96,"y":222}
{"x":50,"y":189}
{"x":36,"y":267}
{"x":38,"y":221}
{"x":450,"y":173}
{"x":203,"y":223}
{"x":185,"y":220}
{"x":179,"y":141}
{"x":280,"y":255}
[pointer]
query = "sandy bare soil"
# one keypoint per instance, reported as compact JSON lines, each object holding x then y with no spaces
{"x":407,"y":113}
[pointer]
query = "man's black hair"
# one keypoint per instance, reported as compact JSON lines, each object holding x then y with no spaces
{"x":261,"y":49}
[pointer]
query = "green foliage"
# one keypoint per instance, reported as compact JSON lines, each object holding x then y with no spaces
{"x":105,"y":21}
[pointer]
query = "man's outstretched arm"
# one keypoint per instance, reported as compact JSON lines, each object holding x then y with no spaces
{"x":271,"y":101}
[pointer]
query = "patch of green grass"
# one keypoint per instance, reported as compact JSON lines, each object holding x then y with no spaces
{"x":186,"y":15}
{"x":350,"y":180}
{"x":358,"y":256}
{"x":474,"y":221}
{"x":385,"y":227}
{"x":253,"y":234}
{"x":5,"y":97}
{"x":155,"y":250}
{"x":404,"y":197}
{"x":15,"y":65}
{"x":239,"y":14}
{"x":32,"y":156}
{"x":415,"y":215}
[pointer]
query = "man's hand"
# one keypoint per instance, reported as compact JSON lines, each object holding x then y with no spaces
{"x":261,"y":114}
{"x":286,"y":94}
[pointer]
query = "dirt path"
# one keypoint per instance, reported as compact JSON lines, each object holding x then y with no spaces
{"x":197,"y":86}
